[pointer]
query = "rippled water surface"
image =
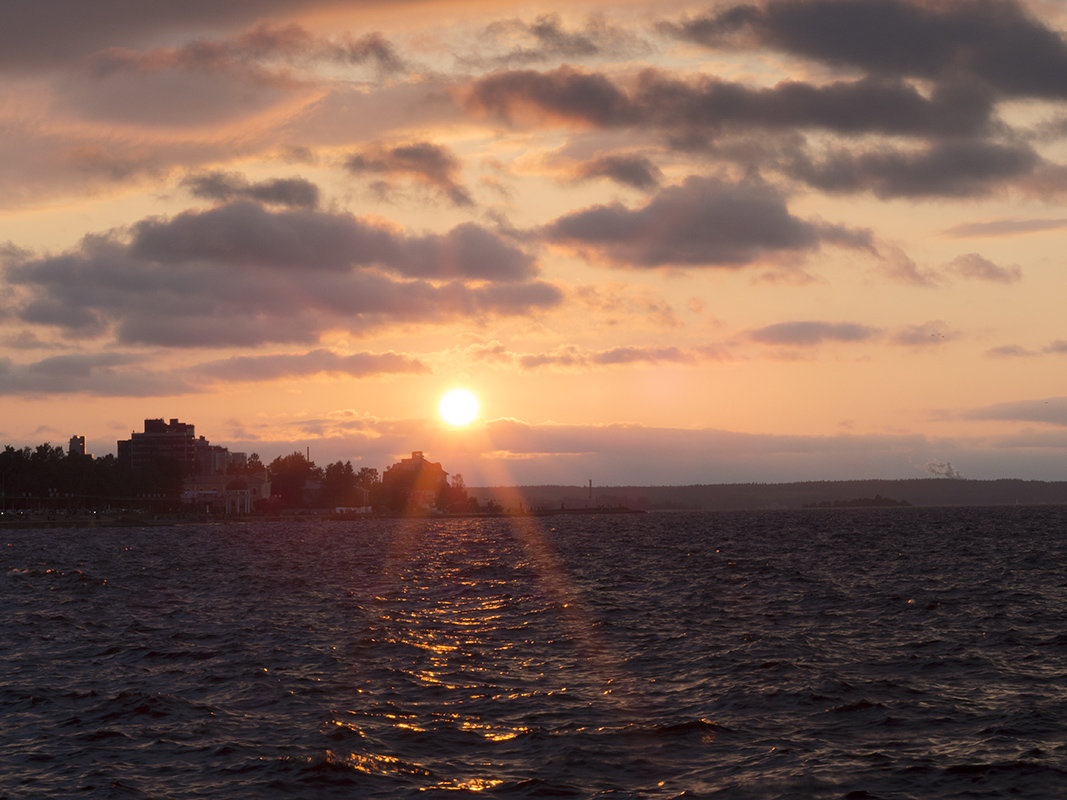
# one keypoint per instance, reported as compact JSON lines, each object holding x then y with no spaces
{"x":899,"y":653}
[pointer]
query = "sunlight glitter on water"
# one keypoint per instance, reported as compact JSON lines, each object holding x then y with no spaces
{"x":513,"y":662}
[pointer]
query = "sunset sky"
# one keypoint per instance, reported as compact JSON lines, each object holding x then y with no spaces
{"x":663,"y":243}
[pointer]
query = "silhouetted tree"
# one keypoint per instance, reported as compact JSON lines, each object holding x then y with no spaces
{"x":289,"y":477}
{"x":338,"y":484}
{"x":453,"y":497}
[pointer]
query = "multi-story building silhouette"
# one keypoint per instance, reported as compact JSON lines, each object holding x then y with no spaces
{"x":175,"y":442}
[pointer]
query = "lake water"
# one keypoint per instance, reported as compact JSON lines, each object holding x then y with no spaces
{"x":895,"y":653}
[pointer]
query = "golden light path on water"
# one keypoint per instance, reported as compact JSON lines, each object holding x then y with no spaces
{"x":446,"y":606}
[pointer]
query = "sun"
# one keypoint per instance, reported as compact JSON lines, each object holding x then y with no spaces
{"x":458,"y":407}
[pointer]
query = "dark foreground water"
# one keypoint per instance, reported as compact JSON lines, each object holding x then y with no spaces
{"x":902,"y":653}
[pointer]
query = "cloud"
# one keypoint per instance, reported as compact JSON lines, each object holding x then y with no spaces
{"x":972,"y":265}
{"x":32,"y":39}
{"x":547,"y":38}
{"x":572,"y":356}
{"x":246,"y":233}
{"x":629,"y":170}
{"x":706,"y":107}
{"x":241,"y":275}
{"x":808,"y":333}
{"x":953,"y":168}
{"x":564,"y":95}
{"x":229,"y":186}
{"x":1006,"y":227}
{"x":929,"y":334}
{"x":1056,"y":348}
{"x":1010,"y":351}
{"x":897,"y":265}
{"x":260,"y":46}
{"x":265,"y":69}
{"x":704,"y":222}
{"x":428,"y":163}
{"x":315,"y":362}
{"x":867,"y":105}
{"x":102,"y":374}
{"x":995,"y":41}
{"x":1051,"y":410}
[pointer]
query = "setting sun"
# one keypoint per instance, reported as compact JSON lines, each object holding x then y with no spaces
{"x":458,"y":407}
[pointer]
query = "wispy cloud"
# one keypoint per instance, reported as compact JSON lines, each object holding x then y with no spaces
{"x":425,"y":162}
{"x":977,"y":267}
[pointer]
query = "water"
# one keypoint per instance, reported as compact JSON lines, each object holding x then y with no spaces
{"x":896,"y":653}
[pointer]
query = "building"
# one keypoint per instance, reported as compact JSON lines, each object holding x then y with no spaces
{"x":176,"y":442}
{"x":233,"y":495}
{"x":76,"y":446}
{"x":414,"y":484}
{"x":160,"y":441}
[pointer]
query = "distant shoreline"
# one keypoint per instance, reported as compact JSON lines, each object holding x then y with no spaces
{"x":553,"y":500}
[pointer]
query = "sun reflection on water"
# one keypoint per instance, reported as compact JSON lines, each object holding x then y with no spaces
{"x":479,"y":628}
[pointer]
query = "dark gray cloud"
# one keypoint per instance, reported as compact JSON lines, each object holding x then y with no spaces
{"x":703,"y":222}
{"x":426,"y":162}
{"x":565,"y":94}
{"x":708,"y":106}
{"x":808,"y":333}
{"x":315,"y":362}
{"x":246,"y":233}
{"x":242,"y":275}
{"x":629,"y":170}
{"x":952,"y":168}
{"x":229,"y":186}
{"x":995,"y":41}
{"x":102,"y":374}
{"x":957,"y":151}
{"x":974,"y":266}
{"x":848,"y":107}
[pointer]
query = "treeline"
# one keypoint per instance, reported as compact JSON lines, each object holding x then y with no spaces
{"x":47,"y":477}
{"x":297,"y":482}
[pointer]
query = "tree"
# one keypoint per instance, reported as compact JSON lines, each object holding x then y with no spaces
{"x":338,"y":483}
{"x":453,"y":497}
{"x":367,"y":477}
{"x":289,"y":477}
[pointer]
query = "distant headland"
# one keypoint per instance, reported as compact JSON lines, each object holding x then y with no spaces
{"x":811,"y":494}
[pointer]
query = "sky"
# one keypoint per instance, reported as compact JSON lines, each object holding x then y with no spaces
{"x":662,"y":242}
